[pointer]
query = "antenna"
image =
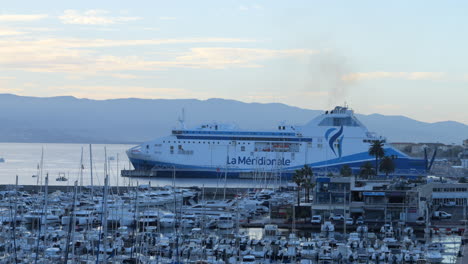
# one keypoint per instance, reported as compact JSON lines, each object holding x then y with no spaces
{"x":182,"y":119}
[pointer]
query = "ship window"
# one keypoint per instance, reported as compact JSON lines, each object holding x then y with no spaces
{"x":147,"y":146}
{"x":338,"y":121}
{"x":164,"y":141}
{"x":199,"y":142}
{"x":243,"y":148}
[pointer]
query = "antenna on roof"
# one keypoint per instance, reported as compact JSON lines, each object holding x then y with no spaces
{"x":182,"y":119}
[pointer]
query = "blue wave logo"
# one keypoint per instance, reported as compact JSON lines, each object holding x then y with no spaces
{"x":337,"y":150}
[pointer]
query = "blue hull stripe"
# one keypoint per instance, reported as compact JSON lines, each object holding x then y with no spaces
{"x":404,"y":165}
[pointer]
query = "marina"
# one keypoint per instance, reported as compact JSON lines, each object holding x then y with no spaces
{"x":144,"y":224}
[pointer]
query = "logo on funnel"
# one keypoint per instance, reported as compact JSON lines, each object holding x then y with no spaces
{"x":338,"y":136}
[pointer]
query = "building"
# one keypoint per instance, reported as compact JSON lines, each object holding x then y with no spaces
{"x":332,"y":196}
{"x":442,"y":194}
{"x":464,"y":155}
{"x":375,"y":200}
{"x":385,"y":201}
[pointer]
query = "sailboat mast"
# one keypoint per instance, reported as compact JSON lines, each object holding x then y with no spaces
{"x":91,"y":168}
{"x":70,"y":224}
{"x":81,"y":169}
{"x":13,"y":219}
{"x":42,"y":165}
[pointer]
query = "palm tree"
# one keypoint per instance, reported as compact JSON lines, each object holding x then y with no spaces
{"x":366,"y":170}
{"x":376,"y":149}
{"x":308,"y":183}
{"x":298,"y":178}
{"x":387,"y":165}
{"x":346,"y":171}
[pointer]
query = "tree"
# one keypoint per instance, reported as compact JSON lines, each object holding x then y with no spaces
{"x":366,"y":170}
{"x":376,"y":149}
{"x":298,"y":178}
{"x":387,"y":165}
{"x":346,"y":171}
{"x":308,"y":182}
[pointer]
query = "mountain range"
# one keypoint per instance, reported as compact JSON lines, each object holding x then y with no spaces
{"x":68,"y":119}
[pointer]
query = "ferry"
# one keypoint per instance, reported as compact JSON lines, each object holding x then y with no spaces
{"x":333,"y":139}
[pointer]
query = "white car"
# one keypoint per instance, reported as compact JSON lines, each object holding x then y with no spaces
{"x":316,"y":219}
{"x":337,"y":217}
{"x":441,"y":215}
{"x":349,"y":221}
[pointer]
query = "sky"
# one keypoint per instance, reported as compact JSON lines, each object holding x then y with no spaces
{"x":388,"y":57}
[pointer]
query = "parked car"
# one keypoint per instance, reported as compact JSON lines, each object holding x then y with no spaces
{"x":316,"y":219}
{"x":441,"y":215}
{"x":349,"y":221}
{"x":420,"y":221}
{"x":360,"y":220}
{"x":337,"y":217}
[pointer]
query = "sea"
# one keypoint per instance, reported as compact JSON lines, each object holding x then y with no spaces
{"x":73,"y":162}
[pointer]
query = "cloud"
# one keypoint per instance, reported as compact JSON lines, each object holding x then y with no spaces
{"x":10,"y":32}
{"x":124,"y":76}
{"x":11,"y":90}
{"x":218,"y":58}
{"x":92,"y":17}
{"x":114,"y":92}
{"x":21,"y":18}
{"x":393,"y":75}
{"x":76,"y":56}
{"x":250,"y":7}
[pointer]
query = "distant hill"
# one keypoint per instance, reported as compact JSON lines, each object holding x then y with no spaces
{"x":68,"y":119}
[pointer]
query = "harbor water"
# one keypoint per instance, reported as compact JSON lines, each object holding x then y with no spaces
{"x":24,"y":159}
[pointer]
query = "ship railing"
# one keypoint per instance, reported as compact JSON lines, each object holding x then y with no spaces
{"x":185,"y":152}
